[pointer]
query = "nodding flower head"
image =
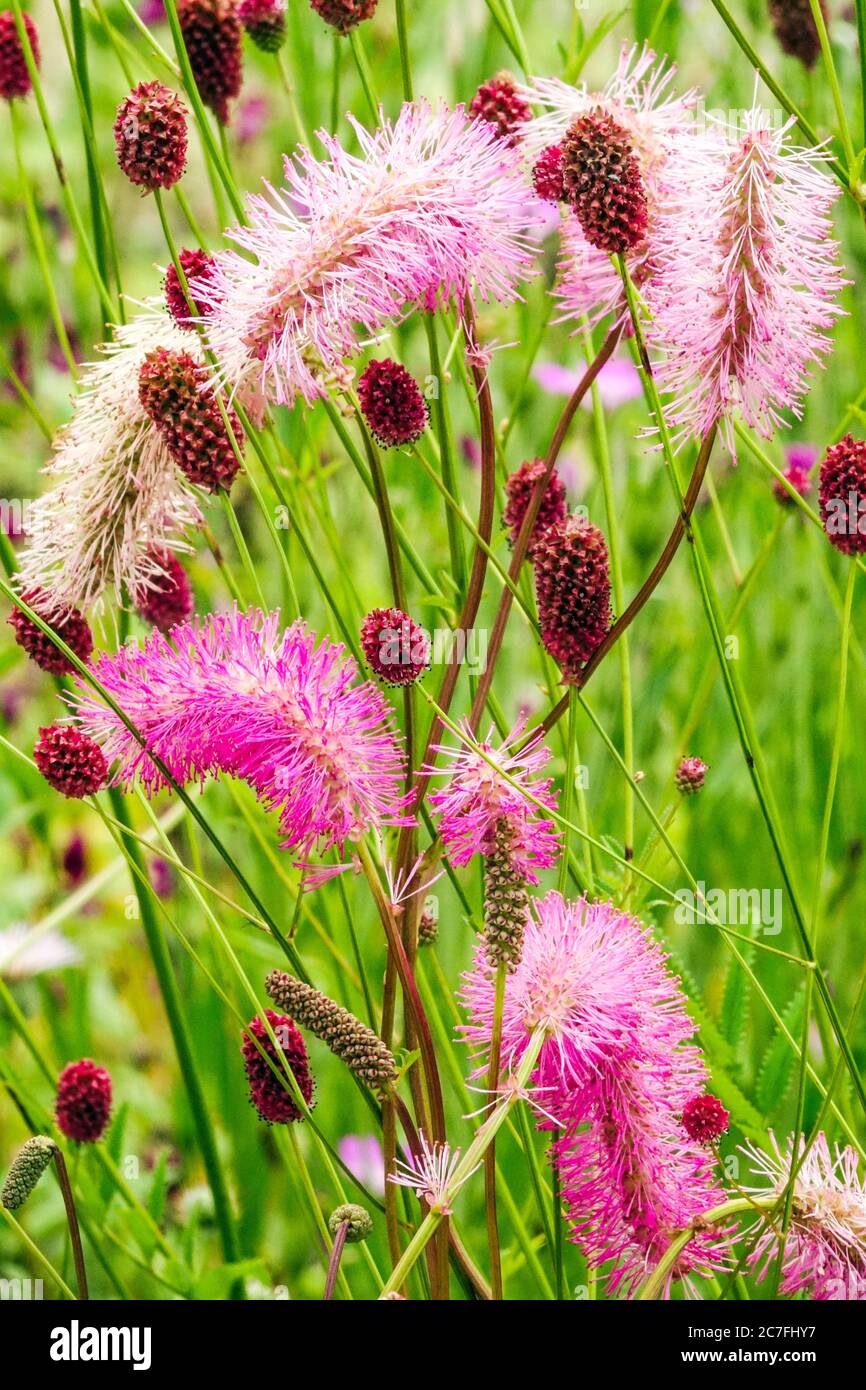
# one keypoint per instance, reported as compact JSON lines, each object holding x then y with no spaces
{"x":70,"y":761}
{"x":68,"y":623}
{"x":150,"y":136}
{"x":265,"y":22}
{"x":344,"y":15}
{"x":392,"y":404}
{"x":270,"y":1089}
{"x":194,"y":263}
{"x":396,"y":647}
{"x":14,"y":72}
{"x":690,"y":775}
{"x":842,"y":490}
{"x":519,"y":489}
{"x":602,"y":181}
{"x":173,"y":390}
{"x":83,"y":1103}
{"x":499,"y":102}
{"x":168,"y":599}
{"x":212,"y":35}
{"x":572,"y":584}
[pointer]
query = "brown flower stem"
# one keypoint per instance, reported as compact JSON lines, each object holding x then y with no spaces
{"x":490,"y":1155}
{"x":72,"y":1219}
{"x":389,"y":1150}
{"x":334,"y":1261}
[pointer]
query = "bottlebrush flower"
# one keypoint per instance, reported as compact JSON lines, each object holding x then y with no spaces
{"x":745,"y":271}
{"x":70,"y":761}
{"x":519,"y":488}
{"x":150,"y":136}
{"x":616,"y":1069}
{"x":344,"y":15}
{"x":392,"y":404}
{"x":795,"y":28}
{"x":689,"y":776}
{"x":169,"y":599}
{"x":174,"y":392}
{"x":69,"y":624}
{"x":432,"y":207}
{"x":547,"y":174}
{"x":265,"y":22}
{"x":478,"y":800}
{"x":396,"y":648}
{"x":212,"y":34}
{"x":362,"y":1050}
{"x":841,"y":493}
{"x":499,"y":102}
{"x":572,"y":585}
{"x":705,"y":1119}
{"x":14,"y":73}
{"x":269,"y":1091}
{"x":193,"y":263}
{"x":430,"y":1174}
{"x":118,"y":498}
{"x":825,"y":1247}
{"x":83,"y":1102}
{"x":602,"y":181}
{"x":232,"y":695}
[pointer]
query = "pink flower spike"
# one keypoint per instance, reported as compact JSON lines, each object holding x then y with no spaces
{"x":430,"y":1174}
{"x":484,"y":790}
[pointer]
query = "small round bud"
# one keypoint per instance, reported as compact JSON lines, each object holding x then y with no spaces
{"x":150,"y":136}
{"x":70,"y":761}
{"x":392,"y":404}
{"x":359,"y":1219}
{"x":195,"y":264}
{"x":498,"y":102}
{"x":396,"y":647}
{"x":690,"y":775}
{"x":83,"y":1101}
{"x":548,"y":175}
{"x":705,"y":1119}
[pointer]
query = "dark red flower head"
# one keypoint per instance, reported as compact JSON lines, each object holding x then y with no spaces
{"x":268,"y":1093}
{"x":14,"y":74}
{"x":196,"y":265}
{"x":70,"y":761}
{"x":344,"y":15}
{"x":519,"y":489}
{"x":173,"y":390}
{"x":265,"y":22}
{"x":83,"y":1101}
{"x":212,"y":34}
{"x":796,"y":30}
{"x":150,"y":136}
{"x":603,"y":182}
{"x":498,"y":102}
{"x":548,"y":175}
{"x":572,"y":584}
{"x":842,"y":495}
{"x":690,"y":775}
{"x":396,"y":648}
{"x":705,"y":1119}
{"x":392,"y":404}
{"x":169,"y":598}
{"x":68,"y":623}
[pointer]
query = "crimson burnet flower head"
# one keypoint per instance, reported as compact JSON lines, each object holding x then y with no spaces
{"x":83,"y":1102}
{"x":14,"y":73}
{"x":173,"y":389}
{"x":548,"y":174}
{"x":233,"y":694}
{"x":344,"y":15}
{"x":825,"y":1247}
{"x":396,"y":647}
{"x":194,"y":263}
{"x":602,"y":181}
{"x":392,"y":404}
{"x":488,"y":791}
{"x":70,"y":761}
{"x":150,"y":136}
{"x":212,"y":34}
{"x":168,"y":599}
{"x":269,"y":1091}
{"x":795,"y":28}
{"x":499,"y":101}
{"x":68,"y":623}
{"x":705,"y":1119}
{"x":690,"y":775}
{"x":842,"y":488}
{"x":265,"y":22}
{"x":519,"y":489}
{"x":572,"y":585}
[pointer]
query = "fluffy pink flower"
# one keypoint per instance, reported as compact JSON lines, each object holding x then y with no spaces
{"x":825,"y":1248}
{"x":231,"y":694}
{"x":432,"y":206}
{"x":478,"y":798}
{"x":745,"y":273}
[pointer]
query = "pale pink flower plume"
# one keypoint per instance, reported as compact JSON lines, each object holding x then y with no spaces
{"x":231,"y":694}
{"x":430,"y":1174}
{"x":744,"y":277}
{"x":615,"y":1070}
{"x":825,"y":1247}
{"x":433,"y":207}
{"x":478,"y":797}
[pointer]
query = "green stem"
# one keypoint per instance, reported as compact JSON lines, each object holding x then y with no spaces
{"x":405,"y":60}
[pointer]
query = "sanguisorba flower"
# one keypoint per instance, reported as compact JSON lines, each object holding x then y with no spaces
{"x":168,"y":598}
{"x":83,"y":1103}
{"x":203,"y":441}
{"x":392,"y":404}
{"x":68,"y":623}
{"x":397,"y":649}
{"x":212,"y":34}
{"x":825,"y":1247}
{"x":615,"y":1071}
{"x":430,"y":1172}
{"x":744,"y":279}
{"x":270,"y":1091}
{"x":690,"y":775}
{"x":433,"y":206}
{"x":195,"y":264}
{"x":572,"y":585}
{"x":344,"y":15}
{"x":842,"y":495}
{"x":70,"y":761}
{"x":234,"y":694}
{"x":485,"y":792}
{"x":794,"y":25}
{"x":265,"y":22}
{"x":150,"y":136}
{"x":499,"y":102}
{"x":602,"y":181}
{"x":519,"y":488}
{"x":14,"y":73}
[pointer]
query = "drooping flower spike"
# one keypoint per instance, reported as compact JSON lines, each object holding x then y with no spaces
{"x":432,"y":208}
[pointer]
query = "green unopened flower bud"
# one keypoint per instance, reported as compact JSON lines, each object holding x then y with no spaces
{"x":27,"y":1168}
{"x":359,"y":1219}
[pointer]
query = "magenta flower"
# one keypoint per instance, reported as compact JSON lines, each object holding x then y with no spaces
{"x":230,"y":694}
{"x":618,"y":381}
{"x":433,"y":206}
{"x":479,"y":797}
{"x":362,"y":1155}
